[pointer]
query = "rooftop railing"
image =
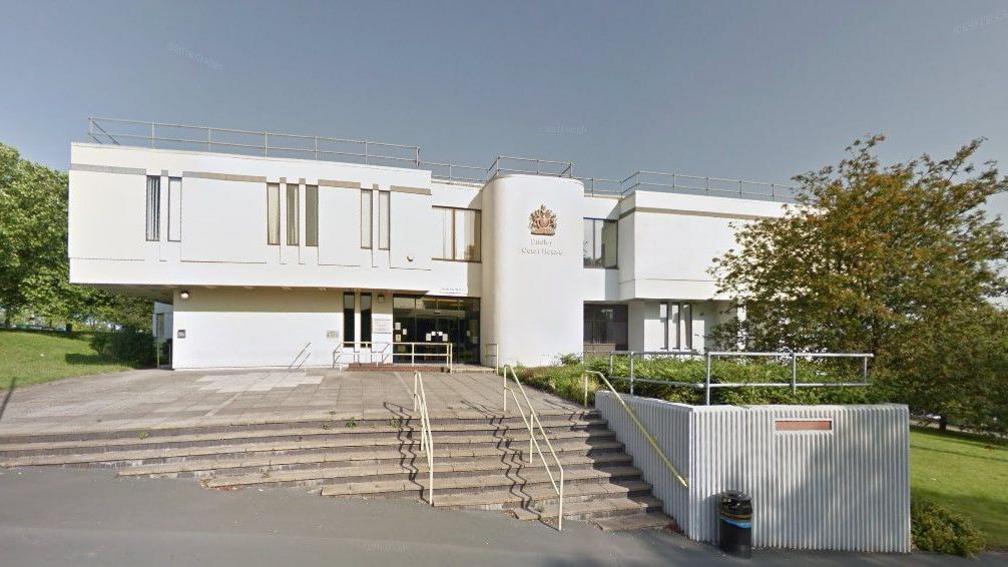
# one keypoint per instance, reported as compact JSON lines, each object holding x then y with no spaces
{"x":165,"y":135}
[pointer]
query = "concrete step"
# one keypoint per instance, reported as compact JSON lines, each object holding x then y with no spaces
{"x":399,"y":472}
{"x":333,"y":422}
{"x":628,"y":522}
{"x":544,"y":494}
{"x":395,"y":458}
{"x":477,"y":485}
{"x":443,"y":448}
{"x":442,"y":432}
{"x":612,"y":506}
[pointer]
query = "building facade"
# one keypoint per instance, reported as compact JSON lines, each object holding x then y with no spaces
{"x":283,"y":261}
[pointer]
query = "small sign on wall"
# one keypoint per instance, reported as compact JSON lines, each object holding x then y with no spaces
{"x":180,"y":334}
{"x":803,"y":425}
{"x":382,"y":325}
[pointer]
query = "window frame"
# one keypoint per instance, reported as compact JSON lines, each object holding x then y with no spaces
{"x":295,"y":189}
{"x":311,"y":216}
{"x":594,"y":244}
{"x":173,"y":222}
{"x":369,"y":243}
{"x":454,"y":236}
{"x":271,"y":239}
{"x":385,"y":225}
{"x":152,"y":219}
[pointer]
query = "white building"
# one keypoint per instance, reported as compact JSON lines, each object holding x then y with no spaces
{"x":302,"y":257}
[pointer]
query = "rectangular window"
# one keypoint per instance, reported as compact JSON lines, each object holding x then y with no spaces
{"x":461,"y":234}
{"x":383,"y":220}
{"x":175,"y":209}
{"x":663,"y":316}
{"x":687,"y":317}
{"x":606,"y":326}
{"x":365,"y":317}
{"x":293,"y":206}
{"x":153,"y":208}
{"x":600,"y":244}
{"x":273,"y":214}
{"x":366,"y":206}
{"x":159,"y":330}
{"x":348,"y":318}
{"x":675,"y":339}
{"x":311,"y":215}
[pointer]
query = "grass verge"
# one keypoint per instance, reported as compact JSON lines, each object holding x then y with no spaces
{"x":35,"y":357}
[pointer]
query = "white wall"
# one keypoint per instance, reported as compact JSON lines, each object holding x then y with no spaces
{"x":236,"y":327}
{"x":535,"y":310}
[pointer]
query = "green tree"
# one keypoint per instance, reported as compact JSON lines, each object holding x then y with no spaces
{"x":34,"y":270}
{"x":898,"y":260}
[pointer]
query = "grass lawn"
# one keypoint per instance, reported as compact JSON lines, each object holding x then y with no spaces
{"x":34,"y":357}
{"x":966,"y":473}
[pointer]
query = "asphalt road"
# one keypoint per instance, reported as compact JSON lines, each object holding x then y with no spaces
{"x":88,"y":517}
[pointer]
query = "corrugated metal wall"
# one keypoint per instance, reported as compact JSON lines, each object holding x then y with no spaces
{"x":845,"y":489}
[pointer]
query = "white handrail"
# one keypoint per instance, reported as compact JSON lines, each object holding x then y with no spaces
{"x":531,"y":423}
{"x":426,"y":440}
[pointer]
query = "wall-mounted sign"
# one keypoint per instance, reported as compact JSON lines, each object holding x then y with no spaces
{"x":180,"y":334}
{"x":543,"y":222}
{"x":382,"y":325}
{"x":332,"y":334}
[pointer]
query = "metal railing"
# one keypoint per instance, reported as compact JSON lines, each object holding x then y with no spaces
{"x":249,"y":142}
{"x":532,"y":423}
{"x":633,"y":417}
{"x":709,"y":384}
{"x":302,"y":356}
{"x":715,"y":186}
{"x":166,"y":135}
{"x":426,"y":439}
{"x":531,"y":166}
{"x":492,"y":350}
{"x":631,"y":354}
{"x":399,"y":349}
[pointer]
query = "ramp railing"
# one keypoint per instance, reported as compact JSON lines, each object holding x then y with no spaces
{"x":533,"y":424}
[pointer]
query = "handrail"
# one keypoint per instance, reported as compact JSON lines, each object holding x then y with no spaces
{"x":426,"y":440}
{"x":640,"y":426}
{"x":297,"y":359}
{"x":448,"y":354}
{"x":532,"y":422}
{"x":496,"y":354}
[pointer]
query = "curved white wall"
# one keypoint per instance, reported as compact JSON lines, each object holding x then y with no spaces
{"x":532,"y":306}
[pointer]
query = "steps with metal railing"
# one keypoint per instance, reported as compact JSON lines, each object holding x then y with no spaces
{"x":479,"y":461}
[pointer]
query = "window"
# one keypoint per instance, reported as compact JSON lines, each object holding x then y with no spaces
{"x":686,"y":313}
{"x":383,"y":220}
{"x":293,"y":231}
{"x":365,"y":317}
{"x":153,"y":208}
{"x":273,"y":214}
{"x":460,"y":234}
{"x":159,"y":330}
{"x":606,"y":324}
{"x":674,"y":332}
{"x":311,"y":215}
{"x":663,"y":317}
{"x":348,"y":318}
{"x":365,"y":219}
{"x":600,"y":243}
{"x":174,"y":209}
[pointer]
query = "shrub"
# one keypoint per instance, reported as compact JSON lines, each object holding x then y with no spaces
{"x":935,"y":528}
{"x":127,"y":345}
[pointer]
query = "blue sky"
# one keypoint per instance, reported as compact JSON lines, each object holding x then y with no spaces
{"x":760,"y":90}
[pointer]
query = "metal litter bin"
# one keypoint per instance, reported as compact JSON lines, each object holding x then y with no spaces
{"x":735,"y":523}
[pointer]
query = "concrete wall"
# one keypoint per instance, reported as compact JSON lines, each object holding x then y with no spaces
{"x":843,"y":489}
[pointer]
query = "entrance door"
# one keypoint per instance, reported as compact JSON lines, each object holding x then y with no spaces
{"x":428,"y":319}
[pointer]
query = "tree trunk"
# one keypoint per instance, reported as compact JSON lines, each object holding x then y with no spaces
{"x":943,"y":423}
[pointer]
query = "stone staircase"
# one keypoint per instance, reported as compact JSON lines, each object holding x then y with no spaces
{"x":480,"y":462}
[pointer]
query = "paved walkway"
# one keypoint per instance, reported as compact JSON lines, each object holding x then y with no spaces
{"x":152,"y":398}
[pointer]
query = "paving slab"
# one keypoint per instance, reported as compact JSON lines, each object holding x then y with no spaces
{"x":147,"y":398}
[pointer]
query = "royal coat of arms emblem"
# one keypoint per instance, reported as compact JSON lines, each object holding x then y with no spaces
{"x":542,"y":222}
